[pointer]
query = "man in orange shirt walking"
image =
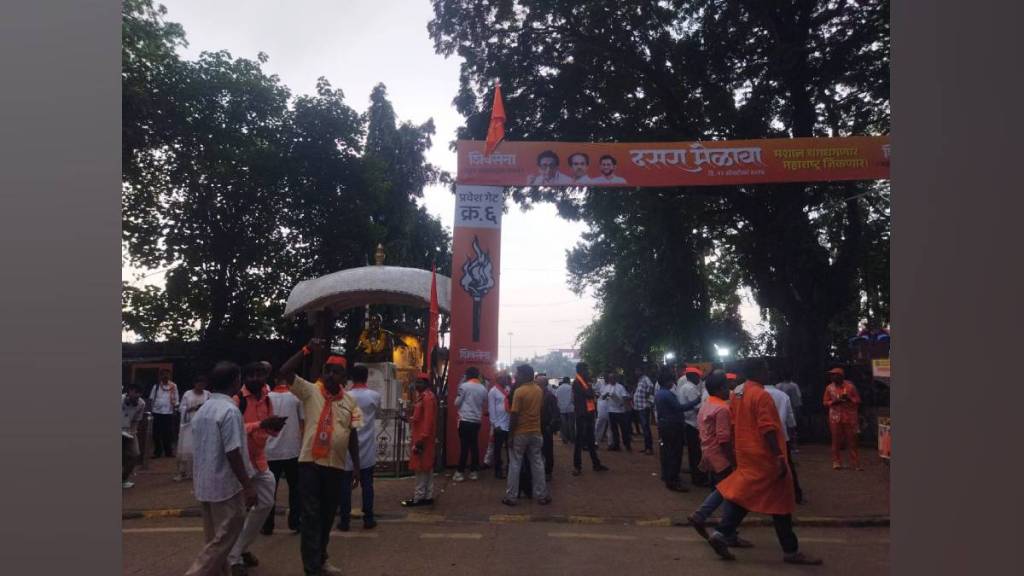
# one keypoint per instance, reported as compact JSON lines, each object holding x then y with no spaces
{"x":260,"y":425}
{"x":842,"y":400}
{"x":761,"y":482}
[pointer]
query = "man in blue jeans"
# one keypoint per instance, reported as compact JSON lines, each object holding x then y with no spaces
{"x":369,"y":403}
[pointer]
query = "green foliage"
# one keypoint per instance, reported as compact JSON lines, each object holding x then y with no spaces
{"x":240,"y":190}
{"x":554,"y":363}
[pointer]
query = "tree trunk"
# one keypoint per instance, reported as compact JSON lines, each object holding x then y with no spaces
{"x":807,"y":350}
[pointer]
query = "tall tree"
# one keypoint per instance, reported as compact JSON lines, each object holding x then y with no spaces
{"x":239,"y":191}
{"x":699,"y":70}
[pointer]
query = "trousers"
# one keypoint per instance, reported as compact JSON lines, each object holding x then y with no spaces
{"x":584,"y":441}
{"x":264,"y":484}
{"x":222,"y":524}
{"x":528,"y":446}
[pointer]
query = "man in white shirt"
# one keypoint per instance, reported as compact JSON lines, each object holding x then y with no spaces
{"x":497,"y":399}
{"x":788,"y":419}
{"x":133,"y":410}
{"x":470,"y":401}
{"x":547,"y":171}
{"x":688,"y":390}
{"x":565,"y":408}
{"x":795,"y":400}
{"x":283,"y":453}
{"x":602,"y":389}
{"x":369,"y":404}
{"x":163,"y":401}
{"x":579,"y":163}
{"x":222,"y":471}
{"x":617,"y":397}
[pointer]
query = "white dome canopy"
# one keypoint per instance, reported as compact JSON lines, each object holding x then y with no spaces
{"x":368,"y":285}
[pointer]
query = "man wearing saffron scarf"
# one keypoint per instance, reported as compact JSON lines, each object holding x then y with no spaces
{"x":842,"y":400}
{"x":333,"y":416}
{"x":761,"y":481}
{"x":585,"y":403}
{"x":424,"y":430}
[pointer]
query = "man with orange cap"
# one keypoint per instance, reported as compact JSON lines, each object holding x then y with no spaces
{"x":842,"y":400}
{"x":688,"y":389}
{"x":333,"y":419}
{"x":761,"y":482}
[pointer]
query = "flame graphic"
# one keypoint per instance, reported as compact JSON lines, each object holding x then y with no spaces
{"x":477,"y":279}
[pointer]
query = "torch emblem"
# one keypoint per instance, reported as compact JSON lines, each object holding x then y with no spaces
{"x":477,"y":281}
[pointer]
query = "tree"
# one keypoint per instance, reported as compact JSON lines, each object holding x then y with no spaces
{"x":698,"y":70}
{"x":554,"y":364}
{"x":239,"y":190}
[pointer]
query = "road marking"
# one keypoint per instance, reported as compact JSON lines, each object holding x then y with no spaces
{"x":176,"y":530}
{"x":655,"y":522}
{"x":844,"y":540}
{"x":688,"y":539}
{"x":199,"y":529}
{"x":509,"y":518}
{"x":169,"y":513}
{"x":420,"y":517}
{"x":586,"y":520}
{"x":452,"y":535}
{"x":585,"y":536}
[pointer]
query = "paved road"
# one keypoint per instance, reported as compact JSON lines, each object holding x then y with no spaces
{"x":165,"y":547}
{"x":630,"y":490}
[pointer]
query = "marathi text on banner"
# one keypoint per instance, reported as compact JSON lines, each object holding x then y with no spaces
{"x":718,"y":163}
{"x":479,"y":206}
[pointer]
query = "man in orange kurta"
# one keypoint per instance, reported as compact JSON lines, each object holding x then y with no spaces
{"x":842,"y":400}
{"x":761,"y":482}
{"x":421,"y":461}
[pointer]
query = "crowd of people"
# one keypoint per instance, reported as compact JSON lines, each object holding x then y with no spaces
{"x":239,"y":436}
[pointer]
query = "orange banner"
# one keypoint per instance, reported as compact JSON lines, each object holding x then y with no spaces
{"x":476,"y":260}
{"x":665,"y":164}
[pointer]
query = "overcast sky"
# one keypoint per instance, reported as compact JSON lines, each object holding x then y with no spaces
{"x":356,"y":44}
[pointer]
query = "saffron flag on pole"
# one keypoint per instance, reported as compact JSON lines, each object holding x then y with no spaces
{"x":432,"y":328}
{"x":496,"y":130}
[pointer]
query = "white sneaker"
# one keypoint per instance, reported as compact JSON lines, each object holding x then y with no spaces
{"x":331,"y":570}
{"x":458,"y":477}
{"x":127,"y":484}
{"x":474,"y":476}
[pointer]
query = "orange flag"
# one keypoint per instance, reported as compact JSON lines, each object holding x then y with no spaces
{"x":433,"y":327}
{"x":496,"y":131}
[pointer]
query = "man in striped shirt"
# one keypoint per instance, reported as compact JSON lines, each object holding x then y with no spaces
{"x":643,"y":403}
